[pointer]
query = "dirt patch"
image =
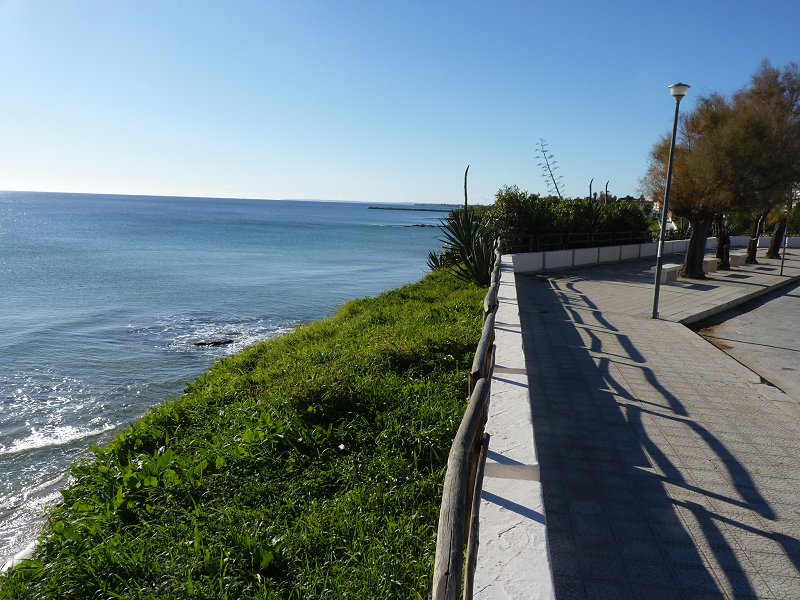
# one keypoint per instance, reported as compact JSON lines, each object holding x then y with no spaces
{"x":715,"y":341}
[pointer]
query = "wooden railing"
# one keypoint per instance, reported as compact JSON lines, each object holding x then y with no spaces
{"x":457,"y":536}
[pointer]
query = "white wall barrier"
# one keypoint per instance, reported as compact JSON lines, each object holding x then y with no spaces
{"x":527,"y":262}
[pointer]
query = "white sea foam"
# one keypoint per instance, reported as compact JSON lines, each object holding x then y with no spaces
{"x":51,"y":436}
{"x":184,"y":332}
{"x":23,"y":520}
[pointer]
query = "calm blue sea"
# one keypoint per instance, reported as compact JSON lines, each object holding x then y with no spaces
{"x":103,"y":298}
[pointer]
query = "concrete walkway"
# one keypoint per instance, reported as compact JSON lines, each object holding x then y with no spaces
{"x":630,"y":458}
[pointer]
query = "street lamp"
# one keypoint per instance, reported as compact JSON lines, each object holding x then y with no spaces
{"x":678,"y":91}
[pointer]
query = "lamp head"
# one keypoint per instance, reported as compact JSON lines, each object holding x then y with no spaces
{"x":679,"y":90}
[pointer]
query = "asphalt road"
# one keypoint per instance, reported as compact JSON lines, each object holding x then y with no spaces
{"x":763,"y":335}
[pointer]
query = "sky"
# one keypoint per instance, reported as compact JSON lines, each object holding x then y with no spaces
{"x":359,"y":100}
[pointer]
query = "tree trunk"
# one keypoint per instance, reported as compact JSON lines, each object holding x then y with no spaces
{"x":776,"y":245}
{"x":719,"y":230}
{"x":723,"y":244}
{"x":752,"y":245}
{"x":693,"y":264}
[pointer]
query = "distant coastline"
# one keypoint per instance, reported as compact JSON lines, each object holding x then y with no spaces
{"x":413,"y":208}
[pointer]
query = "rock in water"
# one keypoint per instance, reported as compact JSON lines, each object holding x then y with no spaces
{"x":219,"y":342}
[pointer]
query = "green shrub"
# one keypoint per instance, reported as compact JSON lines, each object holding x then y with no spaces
{"x":517,"y":214}
{"x":623,"y":215}
{"x":576,"y":216}
{"x":512,"y":211}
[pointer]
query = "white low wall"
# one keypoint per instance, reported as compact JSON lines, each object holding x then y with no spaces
{"x":527,"y":262}
{"x":609,"y":254}
{"x":513,"y":561}
{"x":741,"y":241}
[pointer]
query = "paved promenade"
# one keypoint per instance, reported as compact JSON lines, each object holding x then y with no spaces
{"x":666,"y":468}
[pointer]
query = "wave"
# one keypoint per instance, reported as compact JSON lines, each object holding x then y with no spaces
{"x":22,"y":516}
{"x":51,"y":436}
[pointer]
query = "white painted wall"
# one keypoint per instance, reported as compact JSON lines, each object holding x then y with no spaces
{"x":585,"y":256}
{"x":558,"y":259}
{"x":528,"y":262}
{"x":610,"y":254}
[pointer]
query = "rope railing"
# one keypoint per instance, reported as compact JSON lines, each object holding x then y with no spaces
{"x":457,"y":536}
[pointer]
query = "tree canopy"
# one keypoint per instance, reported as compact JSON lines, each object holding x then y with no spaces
{"x":737,"y":154}
{"x":734,"y":154}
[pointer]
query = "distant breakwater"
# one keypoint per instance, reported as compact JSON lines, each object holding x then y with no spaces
{"x":415,"y":209}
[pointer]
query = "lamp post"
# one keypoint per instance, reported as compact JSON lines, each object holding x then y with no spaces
{"x":678,"y":91}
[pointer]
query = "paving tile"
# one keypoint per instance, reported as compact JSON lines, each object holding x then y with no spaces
{"x":694,"y":578}
{"x":789,"y":497}
{"x":611,"y":481}
{"x":558,"y":529}
{"x":586,"y":507}
{"x":648,"y":573}
{"x":738,"y":585}
{"x":789,"y":512}
{"x":682,"y":554}
{"x":671,"y":533}
{"x":786,"y":535}
{"x":675,"y":476}
{"x":569,"y":588}
{"x":644,"y":550}
{"x":651,"y":592}
{"x":728,"y":558}
{"x":602,"y":566}
{"x":590,"y":526}
{"x":605,"y":590}
{"x":753,"y":542}
{"x":632,"y":529}
{"x":565,"y":564}
{"x":773,"y":563}
{"x":783,"y":587}
{"x":661,"y":514}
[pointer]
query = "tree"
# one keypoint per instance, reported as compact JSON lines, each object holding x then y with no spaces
{"x":780,"y":89}
{"x":762,"y":151}
{"x":692,"y":194}
{"x":737,"y":154}
{"x":741,"y":154}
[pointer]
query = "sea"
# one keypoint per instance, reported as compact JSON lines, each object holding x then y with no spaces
{"x":110,"y":305}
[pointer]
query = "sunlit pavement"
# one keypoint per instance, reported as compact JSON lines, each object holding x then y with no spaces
{"x":666,"y":468}
{"x":764,"y":335}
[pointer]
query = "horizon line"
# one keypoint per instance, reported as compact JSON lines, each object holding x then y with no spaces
{"x":174,"y":196}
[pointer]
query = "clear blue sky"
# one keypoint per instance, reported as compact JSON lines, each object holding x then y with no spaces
{"x":358,"y":100}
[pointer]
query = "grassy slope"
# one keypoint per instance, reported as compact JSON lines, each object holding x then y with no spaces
{"x":307,"y":466}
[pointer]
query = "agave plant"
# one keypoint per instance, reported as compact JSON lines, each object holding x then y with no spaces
{"x":466,"y":238}
{"x":436,"y":260}
{"x":442,"y":259}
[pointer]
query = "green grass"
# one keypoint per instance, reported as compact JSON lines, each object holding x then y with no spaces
{"x":309,"y":466}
